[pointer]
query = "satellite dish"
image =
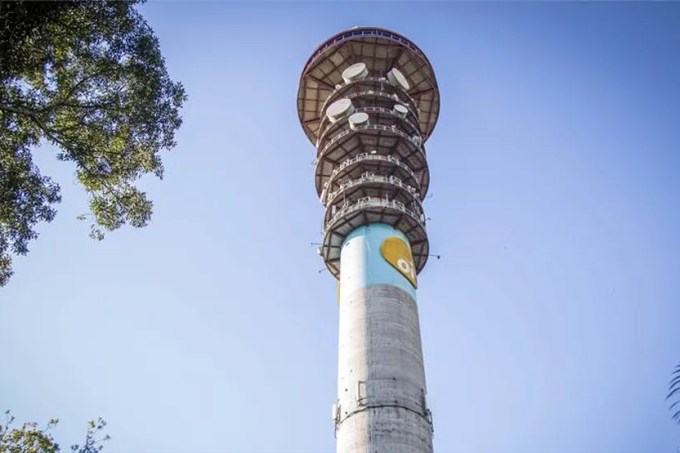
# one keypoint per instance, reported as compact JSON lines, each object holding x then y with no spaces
{"x":358,"y":71}
{"x":339,"y":109}
{"x":400,"y":110}
{"x":358,"y":119}
{"x":396,"y":78}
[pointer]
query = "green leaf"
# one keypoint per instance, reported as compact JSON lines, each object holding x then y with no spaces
{"x":89,"y":78}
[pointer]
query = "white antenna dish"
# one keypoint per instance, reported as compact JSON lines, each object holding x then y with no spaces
{"x":358,"y":71}
{"x":358,"y":119}
{"x":339,"y":109}
{"x":400,"y":110}
{"x":396,"y":78}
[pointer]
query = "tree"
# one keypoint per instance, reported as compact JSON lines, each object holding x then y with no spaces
{"x":30,"y":438}
{"x":89,"y":78}
{"x":674,"y":394}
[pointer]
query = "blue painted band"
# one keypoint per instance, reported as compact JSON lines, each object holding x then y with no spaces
{"x":361,"y":263}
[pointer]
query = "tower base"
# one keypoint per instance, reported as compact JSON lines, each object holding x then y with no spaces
{"x":381,"y":405}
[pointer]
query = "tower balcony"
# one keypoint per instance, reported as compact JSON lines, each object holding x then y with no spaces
{"x":368,"y":210}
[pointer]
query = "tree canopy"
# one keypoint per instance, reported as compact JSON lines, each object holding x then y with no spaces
{"x":673,"y":395}
{"x":89,"y":78}
{"x":31,"y":438}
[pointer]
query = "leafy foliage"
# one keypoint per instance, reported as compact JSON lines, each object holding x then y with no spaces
{"x":674,"y":394}
{"x":30,"y":438}
{"x":89,"y":78}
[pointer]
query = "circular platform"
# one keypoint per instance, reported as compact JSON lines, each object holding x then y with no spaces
{"x":380,"y":50}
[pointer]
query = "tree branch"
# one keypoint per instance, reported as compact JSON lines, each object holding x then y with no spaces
{"x":18,"y":110}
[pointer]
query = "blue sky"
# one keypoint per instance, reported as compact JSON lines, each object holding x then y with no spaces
{"x":550,"y":324}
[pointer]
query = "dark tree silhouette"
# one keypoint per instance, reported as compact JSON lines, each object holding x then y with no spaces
{"x":674,"y":394}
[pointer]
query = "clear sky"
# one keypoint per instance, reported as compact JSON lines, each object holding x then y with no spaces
{"x":550,"y":324}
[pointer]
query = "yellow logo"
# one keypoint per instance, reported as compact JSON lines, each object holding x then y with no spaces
{"x":398,"y":253}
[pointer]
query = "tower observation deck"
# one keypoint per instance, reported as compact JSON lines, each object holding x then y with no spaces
{"x":368,"y":101}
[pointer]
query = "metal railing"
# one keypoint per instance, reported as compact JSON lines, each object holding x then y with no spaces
{"x":377,"y":127}
{"x":411,"y":104}
{"x":372,"y":178}
{"x":386,"y":90}
{"x":366,"y":156}
{"x":373,"y":202}
{"x":369,"y":109}
{"x":369,"y":32}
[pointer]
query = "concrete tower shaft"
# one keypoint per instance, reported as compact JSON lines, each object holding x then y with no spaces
{"x":368,"y":100}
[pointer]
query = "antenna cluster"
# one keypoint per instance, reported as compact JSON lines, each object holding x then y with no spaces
{"x":368,"y":100}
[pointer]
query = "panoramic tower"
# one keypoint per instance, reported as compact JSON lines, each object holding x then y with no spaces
{"x":368,"y":100}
